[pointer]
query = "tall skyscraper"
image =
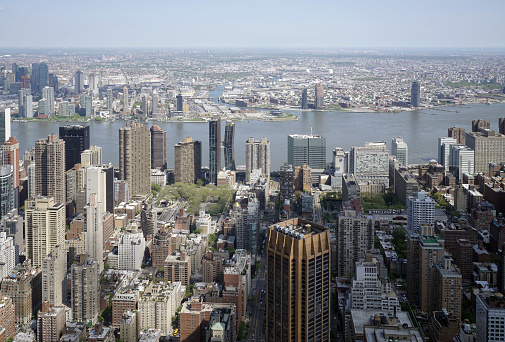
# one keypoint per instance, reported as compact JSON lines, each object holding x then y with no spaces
{"x":458,"y":133}
{"x":305,"y":102}
{"x":214,"y":149}
{"x":5,"y":124}
{"x":298,"y":282}
{"x":188,"y":160}
{"x":370,"y":163}
{"x":179,"y":103}
{"x":286,"y":187}
{"x":54,"y":276}
{"x":78,"y":82}
{"x":93,"y":83}
{"x":229,"y":146}
{"x":25,"y":104}
{"x":462,"y":160}
{"x":10,"y":152}
{"x":44,"y":227}
{"x":480,"y":124}
{"x":145,"y":105}
{"x":158,"y":148}
{"x":501,"y":125}
{"x":399,"y":149}
{"x":420,"y":210}
{"x":488,"y":147}
{"x":6,"y":190}
{"x":50,"y":168}
{"x":126,"y":105}
{"x":444,"y":150}
{"x":319,"y":99}
{"x":257,"y":157}
{"x":85,"y":289}
{"x":307,"y":149}
{"x":86,"y":105}
{"x":34,"y":80}
{"x":76,"y":138}
{"x":48,"y":95}
{"x":135,"y":158}
{"x":415,"y":94}
{"x":43,"y":78}
{"x":110,"y":101}
{"x":93,"y":239}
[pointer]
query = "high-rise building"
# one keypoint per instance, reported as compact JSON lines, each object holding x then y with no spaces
{"x":229,"y":146}
{"x":155,"y":104}
{"x":135,"y":158}
{"x":286,"y":188}
{"x":479,"y":124}
{"x":50,"y":322}
{"x":319,"y":97}
{"x":420,"y":210}
{"x":85,"y":289}
{"x":78,"y":82}
{"x":158,"y":148}
{"x":399,"y":149}
{"x":444,"y":149}
{"x":145,"y":105}
{"x":305,"y":103}
{"x":179,"y":103}
{"x":370,"y":163}
{"x":298,"y":282}
{"x":5,"y":124}
{"x":110,"y":101}
{"x":126,"y":105}
{"x":461,"y":160}
{"x":7,"y":254}
{"x":34,"y":80}
{"x":25,"y":103}
{"x":48,"y":95}
{"x":54,"y":276}
{"x":415,"y":94}
{"x":188,"y":160}
{"x":7,"y":318}
{"x":458,"y":133}
{"x":43,"y":78}
{"x":93,"y":83}
{"x":307,"y":149}
{"x":214,"y":149}
{"x":86,"y":105}
{"x":44,"y":227}
{"x":488,"y":147}
{"x":6,"y":190}
{"x":149,"y":220}
{"x":93,"y":238}
{"x":340,"y":160}
{"x":76,"y":138}
{"x":91,"y":156}
{"x":50,"y":168}
{"x":257,"y":157}
{"x":501,"y":125}
{"x":131,"y":248}
{"x":490,"y":317}
{"x":9,"y":155}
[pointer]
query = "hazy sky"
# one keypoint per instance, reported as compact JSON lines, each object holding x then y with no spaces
{"x":252,"y":23}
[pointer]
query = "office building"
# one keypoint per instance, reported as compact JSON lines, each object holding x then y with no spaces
{"x":6,"y":190}
{"x":135,"y":158}
{"x":461,"y":161}
{"x":501,"y":125}
{"x":340,"y":160}
{"x":214,"y":149}
{"x":43,"y":77}
{"x":48,"y":95}
{"x":457,"y":133}
{"x":77,"y":139}
{"x":110,"y":101}
{"x":78,"y":82}
{"x":350,"y":188}
{"x":126,"y":105}
{"x":91,"y":156}
{"x":85,"y":289}
{"x":50,"y":168}
{"x":179,"y":103}
{"x":86,"y":103}
{"x":229,"y":146}
{"x":50,"y":322}
{"x":93,"y":83}
{"x":34,"y":79}
{"x":44,"y":227}
{"x":307,"y":149}
{"x":158,"y":148}
{"x":5,"y":124}
{"x":355,"y":232}
{"x":305,"y":102}
{"x":319,"y":97}
{"x":257,"y":157}
{"x":7,"y":318}
{"x":188,"y":161}
{"x":415,"y":94}
{"x":444,"y":149}
{"x":479,"y":124}
{"x":490,"y":317}
{"x":298,"y":282}
{"x":420,"y":210}
{"x":370,"y":163}
{"x":54,"y":276}
{"x":100,"y":181}
{"x":399,"y":149}
{"x":63,"y":108}
{"x":488,"y":147}
{"x":25,"y":103}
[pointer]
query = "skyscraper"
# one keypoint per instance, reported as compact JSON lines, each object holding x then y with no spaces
{"x":48,"y":95}
{"x":44,"y":227}
{"x":257,"y":157}
{"x":305,"y":103}
{"x":480,"y":124}
{"x":298,"y":282}
{"x":6,"y":190}
{"x":78,"y":82}
{"x":34,"y":80}
{"x":10,"y":152}
{"x":229,"y":149}
{"x":214,"y":148}
{"x":145,"y":105}
{"x":307,"y":149}
{"x":93,"y":83}
{"x":43,"y":79}
{"x":444,"y":149}
{"x":458,"y":133}
{"x":54,"y":276}
{"x":488,"y":147}
{"x":86,"y":105}
{"x":85,"y":294}
{"x":110,"y":101}
{"x":5,"y":124}
{"x":25,"y":104}
{"x":76,"y":138}
{"x":501,"y":125}
{"x":415,"y":94}
{"x":126,"y":105}
{"x":179,"y":103}
{"x":93,"y":239}
{"x":50,"y":168}
{"x":462,"y":160}
{"x":319,"y":100}
{"x":420,"y":210}
{"x":135,"y":158}
{"x":399,"y":149}
{"x":188,"y":160}
{"x":158,"y":148}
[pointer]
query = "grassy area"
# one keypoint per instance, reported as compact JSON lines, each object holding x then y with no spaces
{"x":465,"y":84}
{"x":381,"y":201}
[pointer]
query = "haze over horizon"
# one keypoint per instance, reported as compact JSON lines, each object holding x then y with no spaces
{"x":267,"y":24}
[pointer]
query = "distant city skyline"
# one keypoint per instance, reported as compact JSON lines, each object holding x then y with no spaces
{"x":277,"y":24}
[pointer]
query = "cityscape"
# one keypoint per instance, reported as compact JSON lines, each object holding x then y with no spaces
{"x":237,"y":193}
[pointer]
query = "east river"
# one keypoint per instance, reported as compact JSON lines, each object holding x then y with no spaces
{"x":420,"y":130}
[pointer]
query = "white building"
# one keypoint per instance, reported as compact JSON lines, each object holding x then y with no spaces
{"x":131,"y":249}
{"x":461,"y":160}
{"x":7,"y":255}
{"x":93,"y":238}
{"x":400,"y":149}
{"x":444,"y":148}
{"x":490,"y":317}
{"x":370,"y":163}
{"x":420,"y":210}
{"x":54,"y":276}
{"x":205,"y":223}
{"x":340,"y":160}
{"x":96,"y":184}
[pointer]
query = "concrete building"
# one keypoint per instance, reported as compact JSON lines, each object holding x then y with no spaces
{"x":6,"y":190}
{"x":50,"y":322}
{"x":125,"y":299}
{"x":129,"y":328}
{"x":420,"y":210}
{"x":444,"y":148}
{"x":178,"y":268}
{"x":415,"y":94}
{"x":479,"y":124}
{"x":291,"y":281}
{"x":9,"y":152}
{"x":488,"y":147}
{"x":93,"y":236}
{"x":214,"y":149}
{"x":85,"y":302}
{"x":405,"y":185}
{"x":5,"y":124}
{"x":458,"y":133}
{"x":461,"y":160}
{"x":161,"y":248}
{"x":54,"y":277}
{"x":400,"y":149}
{"x":7,"y":255}
{"x":126,"y":104}
{"x":50,"y":168}
{"x":490,"y":314}
{"x":257,"y":157}
{"x":188,"y":161}
{"x":76,"y":138}
{"x":307,"y":149}
{"x":131,"y":248}
{"x":158,"y":148}
{"x":370,"y":163}
{"x":44,"y":228}
{"x":229,"y":146}
{"x":149,"y":220}
{"x":350,"y":187}
{"x":135,"y":158}
{"x":319,"y":96}
{"x":7,"y":318}
{"x":286,"y":188}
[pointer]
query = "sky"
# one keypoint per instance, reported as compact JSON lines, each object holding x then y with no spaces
{"x":252,"y":23}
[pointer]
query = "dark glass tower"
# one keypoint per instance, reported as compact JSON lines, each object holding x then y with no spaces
{"x":305,"y":104}
{"x":179,"y":102}
{"x":214,"y":149}
{"x":415,"y":99}
{"x":229,"y":141}
{"x":43,"y":76}
{"x":158,"y":148}
{"x":319,"y":100}
{"x":76,"y":139}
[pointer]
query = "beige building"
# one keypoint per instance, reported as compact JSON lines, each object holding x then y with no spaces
{"x":135,"y":158}
{"x":129,"y":327}
{"x":50,"y":168}
{"x":44,"y":227}
{"x":178,"y":268}
{"x":7,"y":317}
{"x":488,"y":146}
{"x":257,"y":157}
{"x":54,"y":277}
{"x":188,"y":160}
{"x":85,"y":289}
{"x":50,"y":322}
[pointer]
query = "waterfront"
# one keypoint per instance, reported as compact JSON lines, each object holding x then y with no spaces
{"x":420,"y":129}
